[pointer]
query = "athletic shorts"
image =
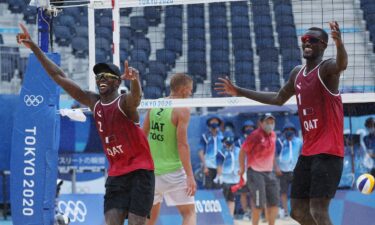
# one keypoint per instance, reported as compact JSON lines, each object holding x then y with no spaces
{"x":173,"y":188}
{"x":317,"y":176}
{"x":264,"y":188}
{"x":133,"y":192}
{"x":285,"y":180}
{"x":228,"y":194}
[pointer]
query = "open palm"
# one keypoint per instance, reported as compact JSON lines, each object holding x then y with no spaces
{"x":226,"y":87}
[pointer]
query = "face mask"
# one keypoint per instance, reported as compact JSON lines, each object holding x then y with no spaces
{"x":229,"y":142}
{"x":268,"y":128}
{"x":289,"y":134}
{"x":214,"y":125}
{"x":248,"y":131}
{"x":371,"y":130}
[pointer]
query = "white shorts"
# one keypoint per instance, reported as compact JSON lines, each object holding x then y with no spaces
{"x":172,"y":187}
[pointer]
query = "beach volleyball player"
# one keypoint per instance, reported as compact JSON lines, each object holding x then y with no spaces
{"x":316,"y":86}
{"x":130,"y":183}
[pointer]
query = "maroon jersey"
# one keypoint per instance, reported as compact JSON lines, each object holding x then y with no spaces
{"x":320,"y":113}
{"x":124,"y":142}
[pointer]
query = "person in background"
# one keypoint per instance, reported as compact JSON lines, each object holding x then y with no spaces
{"x":259,"y":147}
{"x":228,"y":168}
{"x":288,"y":151}
{"x":210,"y":144}
{"x":369,"y":140}
{"x":247,"y":128}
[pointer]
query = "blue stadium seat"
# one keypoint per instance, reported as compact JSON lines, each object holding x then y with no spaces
{"x":195,"y":22}
{"x":126,"y":32}
{"x":261,"y":9}
{"x":174,"y":45}
{"x":244,"y":67}
{"x":139,"y":66}
{"x":17,"y":6}
{"x":196,"y":44}
{"x":219,"y":55}
{"x":241,"y":32}
{"x":288,"y":42}
{"x":218,"y":22}
{"x":288,"y":65}
{"x":75,"y":12}
{"x":80,"y":47}
{"x":104,"y":32}
{"x":284,"y":19}
{"x":246,"y":80}
{"x":101,"y":55}
{"x":243,"y":43}
{"x":139,"y":55}
{"x":125,"y":11}
{"x":63,"y":35}
{"x":66,"y":20}
{"x":125,"y":44}
{"x":272,"y":88}
{"x":173,"y":11}
{"x":195,"y":10}
{"x":142,"y":43}
{"x":244,"y":55}
{"x":291,"y":53}
{"x":196,"y":33}
{"x":287,"y":31}
{"x":217,"y":9}
{"x":263,"y":31}
{"x":240,"y":21}
{"x":196,"y":56}
{"x":30,"y":14}
{"x":220,"y":68}
{"x":139,"y":24}
{"x":152,"y":14}
{"x":103,"y":43}
{"x":220,"y":43}
{"x":156,"y":67}
{"x":239,"y":9}
{"x":271,"y":54}
{"x":83,"y":21}
{"x":219,"y":33}
{"x":166,"y":56}
{"x":82,"y":31}
{"x":198,"y":69}
{"x":154,"y":80}
{"x":264,"y":42}
{"x":152,"y":92}
{"x":262,"y":20}
{"x":268,"y":67}
{"x":270,"y":78}
{"x":123,"y":55}
{"x":283,"y":9}
{"x":173,"y":32}
{"x":173,"y":22}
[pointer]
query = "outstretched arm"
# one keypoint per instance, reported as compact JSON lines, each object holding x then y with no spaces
{"x":183,"y":147}
{"x":133,"y":99}
{"x":84,"y":97}
{"x":272,"y":98}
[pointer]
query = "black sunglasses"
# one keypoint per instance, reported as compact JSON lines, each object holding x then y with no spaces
{"x":311,"y":39}
{"x":106,"y":76}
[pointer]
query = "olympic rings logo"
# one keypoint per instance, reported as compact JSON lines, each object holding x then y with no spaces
{"x":233,"y":101}
{"x":76,"y":211}
{"x":32,"y":100}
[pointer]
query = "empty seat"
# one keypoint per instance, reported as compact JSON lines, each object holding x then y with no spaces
{"x":219,"y":32}
{"x":125,"y":11}
{"x":125,"y":44}
{"x":142,"y":43}
{"x":139,"y":55}
{"x":196,"y":44}
{"x":139,"y":66}
{"x":220,"y":43}
{"x":103,"y":43}
{"x":264,"y":42}
{"x":152,"y":15}
{"x":173,"y":22}
{"x":291,"y":53}
{"x":104,"y":32}
{"x":30,"y":14}
{"x":220,"y":68}
{"x":197,"y":69}
{"x":66,"y":20}
{"x":166,"y":56}
{"x":195,"y":10}
{"x":271,"y":54}
{"x":241,"y":32}
{"x":288,"y":42}
{"x":125,"y":32}
{"x":152,"y":92}
{"x":240,"y":44}
{"x":218,"y":22}
{"x":195,"y":22}
{"x":261,"y":9}
{"x":262,"y":20}
{"x":196,"y":56}
{"x":219,"y":55}
{"x":82,"y":31}
{"x":243,"y":55}
{"x":244,"y":67}
{"x":268,"y":67}
{"x":123,"y":55}
{"x":101,"y":55}
{"x":80,"y":47}
{"x":154,"y":80}
{"x":174,"y":45}
{"x":286,"y":30}
{"x":173,"y":32}
{"x":139,"y":24}
{"x":240,"y":10}
{"x":156,"y":67}
{"x":240,"y":21}
{"x":173,"y":11}
{"x":63,"y":35}
{"x":196,"y":33}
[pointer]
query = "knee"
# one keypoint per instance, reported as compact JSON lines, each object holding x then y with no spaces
{"x":298,"y":214}
{"x":188,"y":213}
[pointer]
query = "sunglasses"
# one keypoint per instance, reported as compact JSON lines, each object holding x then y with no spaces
{"x":311,"y":39}
{"x":106,"y":76}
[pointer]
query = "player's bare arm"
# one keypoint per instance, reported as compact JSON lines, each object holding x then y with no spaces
{"x":331,"y":69}
{"x":183,"y":118}
{"x":131,"y":101}
{"x":56,"y":73}
{"x":146,"y":123}
{"x":225,"y":86}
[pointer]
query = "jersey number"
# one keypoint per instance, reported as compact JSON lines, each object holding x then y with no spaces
{"x":299,"y":99}
{"x":100,"y":126}
{"x":160,"y":111}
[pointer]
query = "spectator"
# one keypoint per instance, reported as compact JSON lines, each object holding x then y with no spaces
{"x":369,"y":140}
{"x":259,"y":147}
{"x":290,"y":146}
{"x":210,"y":144}
{"x":247,"y":128}
{"x":228,"y":168}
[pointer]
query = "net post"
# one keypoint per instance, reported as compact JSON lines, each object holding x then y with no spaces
{"x":91,"y":37}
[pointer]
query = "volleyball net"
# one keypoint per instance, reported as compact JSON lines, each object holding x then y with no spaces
{"x":255,"y":43}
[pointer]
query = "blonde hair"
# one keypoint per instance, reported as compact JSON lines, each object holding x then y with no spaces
{"x":179,"y":80}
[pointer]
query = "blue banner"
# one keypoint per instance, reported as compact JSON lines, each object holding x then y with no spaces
{"x":36,"y":131}
{"x":85,"y":209}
